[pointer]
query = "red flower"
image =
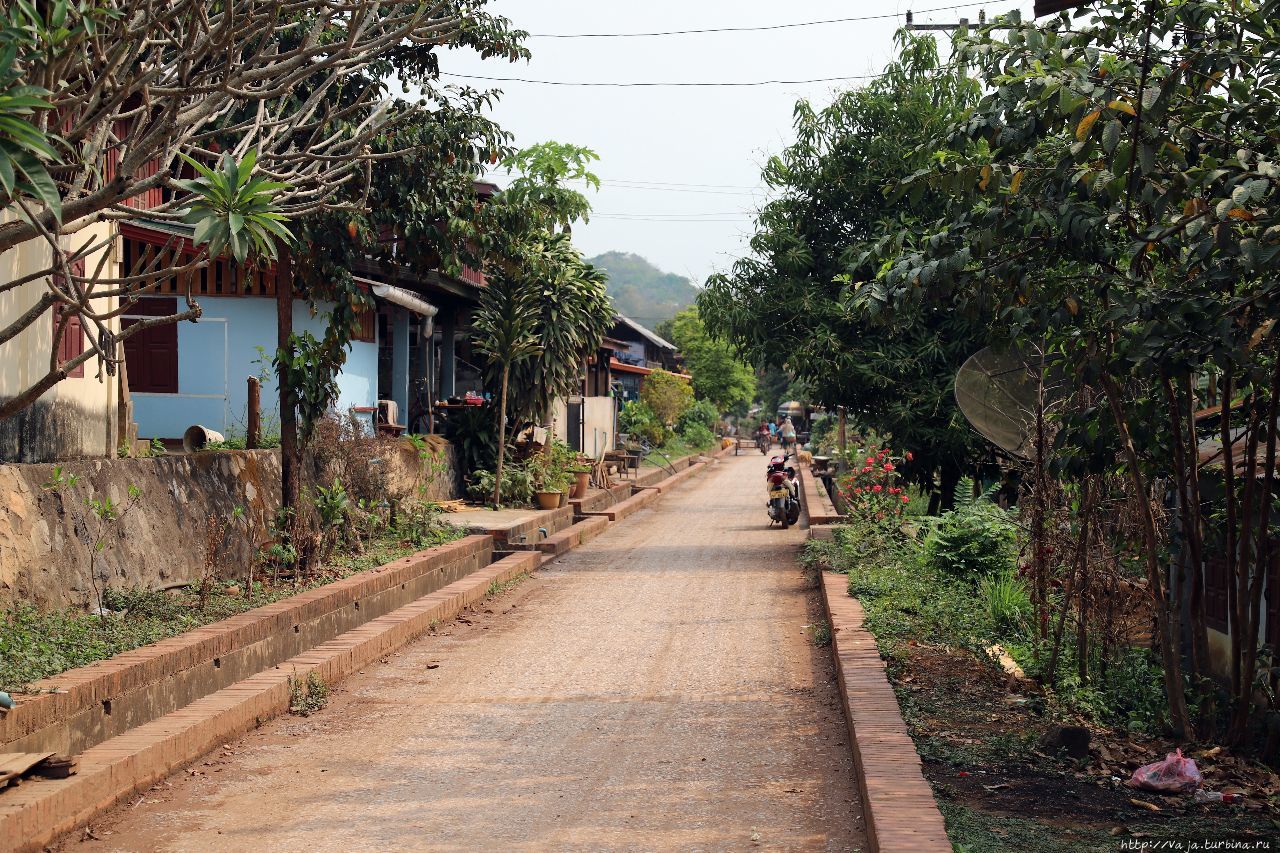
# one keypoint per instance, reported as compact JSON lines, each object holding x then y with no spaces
{"x":867,"y":470}
{"x":909,"y":456}
{"x":858,"y":490}
{"x":906,"y":500}
{"x":876,"y":487}
{"x":888,"y":466}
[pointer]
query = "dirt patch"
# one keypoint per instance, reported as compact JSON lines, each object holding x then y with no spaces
{"x":978,"y":734}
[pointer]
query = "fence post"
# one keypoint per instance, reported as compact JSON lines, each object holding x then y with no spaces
{"x":255,"y":414}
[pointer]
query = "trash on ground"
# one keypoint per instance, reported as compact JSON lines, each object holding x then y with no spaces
{"x":1175,"y":774}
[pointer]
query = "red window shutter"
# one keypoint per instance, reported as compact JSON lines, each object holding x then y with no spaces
{"x":71,"y":344}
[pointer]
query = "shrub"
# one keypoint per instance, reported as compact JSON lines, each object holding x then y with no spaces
{"x":638,"y":420}
{"x":702,"y":413}
{"x":972,"y":541}
{"x":698,"y":436}
{"x":872,"y":489}
{"x":668,"y":396}
{"x":1007,"y":601}
{"x":517,"y":485}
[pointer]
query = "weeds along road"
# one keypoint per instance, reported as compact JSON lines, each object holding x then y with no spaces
{"x":653,"y":690}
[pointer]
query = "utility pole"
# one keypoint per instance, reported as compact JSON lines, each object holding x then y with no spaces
{"x":912,"y":26}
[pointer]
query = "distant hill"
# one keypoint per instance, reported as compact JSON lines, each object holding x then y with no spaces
{"x":643,"y":292}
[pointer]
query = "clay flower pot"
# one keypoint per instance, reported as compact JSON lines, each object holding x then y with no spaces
{"x":549,"y":500}
{"x":582,"y":480}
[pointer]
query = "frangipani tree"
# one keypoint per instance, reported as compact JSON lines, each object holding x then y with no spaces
{"x":100,"y":100}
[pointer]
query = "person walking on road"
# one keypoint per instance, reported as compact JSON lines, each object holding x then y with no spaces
{"x":788,"y":436}
{"x":773,"y":433}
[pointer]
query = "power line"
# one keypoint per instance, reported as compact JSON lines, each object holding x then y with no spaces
{"x":766,"y":28}
{"x":633,"y":85}
{"x":678,"y":184}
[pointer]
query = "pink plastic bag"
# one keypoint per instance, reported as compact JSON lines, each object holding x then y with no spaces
{"x":1173,"y":775}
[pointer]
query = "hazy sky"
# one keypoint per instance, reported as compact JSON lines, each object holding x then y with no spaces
{"x":716,"y":137}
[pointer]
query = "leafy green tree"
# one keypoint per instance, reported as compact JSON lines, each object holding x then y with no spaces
{"x":719,"y":376}
{"x":553,"y":304}
{"x":506,"y":325}
{"x":667,"y":395}
{"x":1114,"y":195}
{"x":790,"y":304}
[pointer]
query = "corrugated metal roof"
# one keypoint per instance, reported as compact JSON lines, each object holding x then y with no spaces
{"x":647,"y":334}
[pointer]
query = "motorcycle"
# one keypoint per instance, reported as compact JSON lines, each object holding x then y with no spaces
{"x":784,"y":492}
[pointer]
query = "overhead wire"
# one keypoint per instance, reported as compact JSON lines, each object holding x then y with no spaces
{"x":757,"y":29}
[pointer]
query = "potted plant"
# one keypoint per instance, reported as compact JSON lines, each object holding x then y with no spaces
{"x":547,"y":479}
{"x":582,"y":479}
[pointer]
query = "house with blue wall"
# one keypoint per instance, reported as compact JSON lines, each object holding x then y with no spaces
{"x":408,"y":350}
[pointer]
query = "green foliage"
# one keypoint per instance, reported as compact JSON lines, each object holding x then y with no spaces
{"x":701,"y":413}
{"x":697,"y":436}
{"x":550,"y":469}
{"x":820,"y":633}
{"x":232,"y":208}
{"x":332,"y":505}
{"x":793,"y":302}
{"x":307,"y":695}
{"x":718,"y":374}
{"x":667,"y":395}
{"x":309,"y":367}
{"x":472,"y":429}
{"x":911,"y":595}
{"x":25,"y":150}
{"x":643,"y":292}
{"x":1007,"y":601}
{"x":517,"y":485}
{"x":972,"y":542}
{"x":572,"y":316}
{"x":637,"y":419}
{"x":542,"y":170}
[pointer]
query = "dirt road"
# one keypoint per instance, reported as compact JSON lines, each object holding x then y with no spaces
{"x":653,"y":690}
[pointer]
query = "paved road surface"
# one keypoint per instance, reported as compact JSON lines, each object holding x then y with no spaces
{"x":653,"y":690}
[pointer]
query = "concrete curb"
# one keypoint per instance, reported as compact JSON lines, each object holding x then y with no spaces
{"x":39,"y":812}
{"x":900,"y":809}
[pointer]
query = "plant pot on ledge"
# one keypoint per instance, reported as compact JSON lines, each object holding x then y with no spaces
{"x":582,"y":480}
{"x":549,"y":500}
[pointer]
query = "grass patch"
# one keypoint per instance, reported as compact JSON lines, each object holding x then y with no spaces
{"x":307,"y":695}
{"x":496,"y":588}
{"x":820,"y":633}
{"x":37,"y":644}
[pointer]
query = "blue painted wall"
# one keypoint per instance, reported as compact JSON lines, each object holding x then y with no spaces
{"x":216,"y":357}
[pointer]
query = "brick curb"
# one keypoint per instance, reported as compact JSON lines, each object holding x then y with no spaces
{"x":816,"y":500}
{"x":900,"y":809}
{"x":38,"y":812}
{"x":83,"y":689}
{"x":571,"y":537}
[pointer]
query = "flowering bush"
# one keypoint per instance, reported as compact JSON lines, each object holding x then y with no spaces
{"x":872,"y":487}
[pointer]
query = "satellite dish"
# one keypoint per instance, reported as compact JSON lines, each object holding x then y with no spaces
{"x":998,"y":389}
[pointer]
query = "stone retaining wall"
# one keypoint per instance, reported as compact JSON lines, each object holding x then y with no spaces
{"x":47,"y":531}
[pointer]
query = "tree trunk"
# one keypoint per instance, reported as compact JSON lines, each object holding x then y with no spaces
{"x":1179,"y":716}
{"x":502,"y":437}
{"x":288,"y":401}
{"x":950,"y":478}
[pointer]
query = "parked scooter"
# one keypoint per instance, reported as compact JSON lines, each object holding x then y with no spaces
{"x":784,"y":492}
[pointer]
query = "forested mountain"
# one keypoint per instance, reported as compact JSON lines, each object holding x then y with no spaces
{"x":643,"y":292}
